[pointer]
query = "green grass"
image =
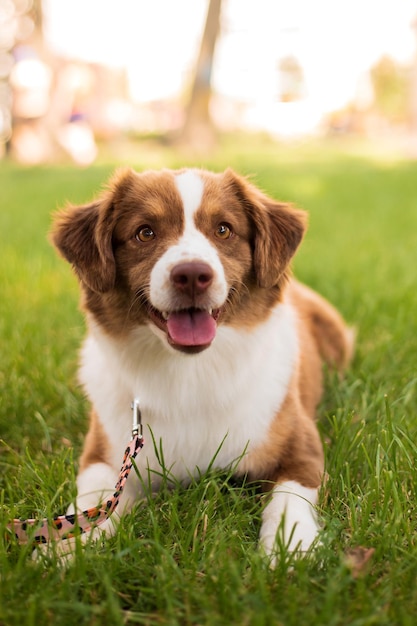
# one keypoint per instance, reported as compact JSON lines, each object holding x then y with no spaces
{"x":189,"y":556}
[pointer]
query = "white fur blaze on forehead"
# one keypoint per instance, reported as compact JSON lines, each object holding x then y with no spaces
{"x":191,"y":187}
{"x":192,"y":245}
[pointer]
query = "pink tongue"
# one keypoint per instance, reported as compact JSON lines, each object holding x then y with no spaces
{"x":191,"y":327}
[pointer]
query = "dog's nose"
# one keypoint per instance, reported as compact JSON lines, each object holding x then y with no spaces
{"x":192,"y":278}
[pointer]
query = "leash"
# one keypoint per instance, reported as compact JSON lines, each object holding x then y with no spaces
{"x":67,"y":526}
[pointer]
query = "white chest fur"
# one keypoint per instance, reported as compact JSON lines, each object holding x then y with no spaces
{"x":219,"y":401}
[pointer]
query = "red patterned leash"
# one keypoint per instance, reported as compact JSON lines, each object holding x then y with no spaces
{"x":67,"y":526}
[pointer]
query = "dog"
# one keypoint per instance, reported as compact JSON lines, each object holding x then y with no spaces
{"x":191,"y":306}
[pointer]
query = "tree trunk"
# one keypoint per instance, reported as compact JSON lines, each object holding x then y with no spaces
{"x":198,"y":128}
{"x":413,"y":100}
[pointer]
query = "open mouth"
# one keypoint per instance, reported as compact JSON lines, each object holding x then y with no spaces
{"x":189,"y":330}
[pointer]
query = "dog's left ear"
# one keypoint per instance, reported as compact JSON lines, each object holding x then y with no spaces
{"x":83,"y":235}
{"x":278,"y":230}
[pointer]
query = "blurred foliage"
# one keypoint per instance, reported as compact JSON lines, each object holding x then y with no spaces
{"x":391,"y":85}
{"x":291,"y":79}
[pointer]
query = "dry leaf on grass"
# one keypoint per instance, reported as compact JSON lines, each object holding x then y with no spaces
{"x":358,"y":559}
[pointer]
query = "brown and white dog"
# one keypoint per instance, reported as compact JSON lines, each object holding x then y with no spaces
{"x":190,"y":308}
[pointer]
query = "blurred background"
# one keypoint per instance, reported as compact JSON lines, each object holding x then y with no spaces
{"x":79,"y":77}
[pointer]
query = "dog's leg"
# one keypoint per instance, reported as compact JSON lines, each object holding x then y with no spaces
{"x":290,"y":518}
{"x":95,"y":485}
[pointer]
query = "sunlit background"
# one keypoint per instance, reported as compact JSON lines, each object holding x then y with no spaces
{"x":77,"y":73}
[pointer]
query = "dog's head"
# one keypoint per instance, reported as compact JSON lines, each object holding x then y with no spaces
{"x":181,"y":252}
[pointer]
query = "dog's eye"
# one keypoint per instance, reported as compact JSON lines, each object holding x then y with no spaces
{"x":144,"y":234}
{"x":224,"y":231}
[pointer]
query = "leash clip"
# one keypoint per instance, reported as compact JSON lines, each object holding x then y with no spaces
{"x":136,"y":419}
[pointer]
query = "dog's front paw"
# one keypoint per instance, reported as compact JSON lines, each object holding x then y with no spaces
{"x":61,"y":552}
{"x":64,"y":551}
{"x":289,"y":521}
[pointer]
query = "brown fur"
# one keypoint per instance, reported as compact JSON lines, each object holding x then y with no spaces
{"x":96,"y":444}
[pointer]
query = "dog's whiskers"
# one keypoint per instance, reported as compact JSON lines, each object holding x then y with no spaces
{"x":236,"y":295}
{"x":140,"y":298}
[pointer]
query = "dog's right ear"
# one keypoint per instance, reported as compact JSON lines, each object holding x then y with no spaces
{"x":83,"y":235}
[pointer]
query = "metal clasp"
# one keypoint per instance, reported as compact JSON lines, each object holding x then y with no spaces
{"x":136,"y":419}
